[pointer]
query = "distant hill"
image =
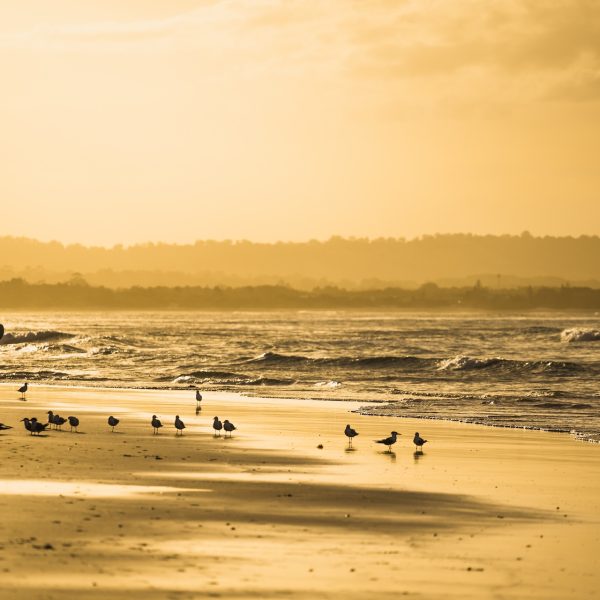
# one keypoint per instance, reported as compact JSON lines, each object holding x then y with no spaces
{"x":17,"y":294}
{"x":449,"y":260}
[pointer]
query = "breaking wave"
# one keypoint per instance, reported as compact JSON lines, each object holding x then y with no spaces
{"x":580,"y":334}
{"x":468,"y":363}
{"x":33,"y":336}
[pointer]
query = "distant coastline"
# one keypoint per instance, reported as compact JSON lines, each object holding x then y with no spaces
{"x":17,"y":294}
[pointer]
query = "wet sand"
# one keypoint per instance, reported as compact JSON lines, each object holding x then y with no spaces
{"x":482,"y":513}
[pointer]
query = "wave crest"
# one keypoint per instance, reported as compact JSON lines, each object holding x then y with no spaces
{"x":580,"y":334}
{"x":34,"y":336}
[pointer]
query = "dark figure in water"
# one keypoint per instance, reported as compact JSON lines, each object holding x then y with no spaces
{"x":228,"y":427}
{"x":113,"y":422}
{"x":74,"y":423}
{"x":350,"y":433}
{"x":23,"y":390}
{"x":156,"y":424}
{"x":179,"y":425}
{"x":418,"y":441}
{"x":217,"y":426}
{"x":390,"y":441}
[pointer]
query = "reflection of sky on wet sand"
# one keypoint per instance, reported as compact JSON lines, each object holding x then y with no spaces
{"x":38,"y":487}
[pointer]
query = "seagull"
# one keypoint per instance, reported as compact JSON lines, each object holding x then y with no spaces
{"x":179,"y":425}
{"x":27,"y":423}
{"x":350,"y":433}
{"x":156,"y":424}
{"x":23,"y":389}
{"x":390,"y":441}
{"x":4,"y":427}
{"x":217,"y":426}
{"x":74,"y":423}
{"x":37,"y":427}
{"x":56,"y":420}
{"x":418,"y":441}
{"x":34,"y":426}
{"x":228,"y":427}
{"x":198,"y":400}
{"x":113,"y":422}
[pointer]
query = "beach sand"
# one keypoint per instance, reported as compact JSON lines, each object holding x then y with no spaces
{"x":482,"y":513}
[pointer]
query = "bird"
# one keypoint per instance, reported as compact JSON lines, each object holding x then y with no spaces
{"x":27,"y":423}
{"x":4,"y":427}
{"x":113,"y":422}
{"x":156,"y":424}
{"x":228,"y":427}
{"x":217,"y":426}
{"x":56,"y":420}
{"x":34,"y":426}
{"x":350,"y":433}
{"x":389,"y":441}
{"x":198,"y":400}
{"x":74,"y":423}
{"x":23,"y":390}
{"x":418,"y":441}
{"x":179,"y":425}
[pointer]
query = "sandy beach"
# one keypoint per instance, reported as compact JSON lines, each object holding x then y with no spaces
{"x":482,"y":513}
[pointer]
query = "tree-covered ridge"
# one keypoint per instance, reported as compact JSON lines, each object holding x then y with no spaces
{"x":18,"y":294}
{"x":449,"y":260}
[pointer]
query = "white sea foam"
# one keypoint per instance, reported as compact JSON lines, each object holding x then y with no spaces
{"x":580,"y":334}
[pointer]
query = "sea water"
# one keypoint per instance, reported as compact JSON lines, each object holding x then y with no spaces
{"x":533,"y":370}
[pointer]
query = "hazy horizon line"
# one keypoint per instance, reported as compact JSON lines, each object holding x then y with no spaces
{"x":332,"y":237}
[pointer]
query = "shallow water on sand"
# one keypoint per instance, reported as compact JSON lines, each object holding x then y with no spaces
{"x":538,"y":371}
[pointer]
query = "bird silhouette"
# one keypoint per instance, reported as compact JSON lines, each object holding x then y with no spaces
{"x":228,"y":427}
{"x":389,"y":441}
{"x":350,"y":433}
{"x":74,"y":423}
{"x":156,"y":424}
{"x":34,"y":426}
{"x":179,"y":425}
{"x":56,"y":420}
{"x":23,"y":390}
{"x":217,"y":426}
{"x":4,"y":427}
{"x":113,"y":422}
{"x":418,"y":441}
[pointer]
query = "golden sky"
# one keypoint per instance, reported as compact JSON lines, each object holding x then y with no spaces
{"x":135,"y":120}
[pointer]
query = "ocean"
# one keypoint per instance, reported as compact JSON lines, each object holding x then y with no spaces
{"x":537,"y":371}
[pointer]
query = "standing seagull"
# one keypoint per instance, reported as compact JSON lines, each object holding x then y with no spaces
{"x":418,"y":441}
{"x":217,"y":426}
{"x":113,"y":422}
{"x":23,"y":390}
{"x":228,"y":427}
{"x":56,"y":420}
{"x":198,"y":400}
{"x":390,"y":441}
{"x":350,"y":433}
{"x":74,"y":423}
{"x":179,"y":425}
{"x":156,"y":424}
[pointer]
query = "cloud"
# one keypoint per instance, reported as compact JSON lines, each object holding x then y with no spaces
{"x":525,"y":50}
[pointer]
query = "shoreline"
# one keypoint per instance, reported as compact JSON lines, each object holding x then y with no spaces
{"x":268,"y":514}
{"x":574,"y":435}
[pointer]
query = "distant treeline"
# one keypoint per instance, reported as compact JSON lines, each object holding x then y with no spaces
{"x":18,"y":294}
{"x":355,"y":263}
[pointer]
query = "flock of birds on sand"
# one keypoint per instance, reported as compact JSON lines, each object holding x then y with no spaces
{"x":55,"y":421}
